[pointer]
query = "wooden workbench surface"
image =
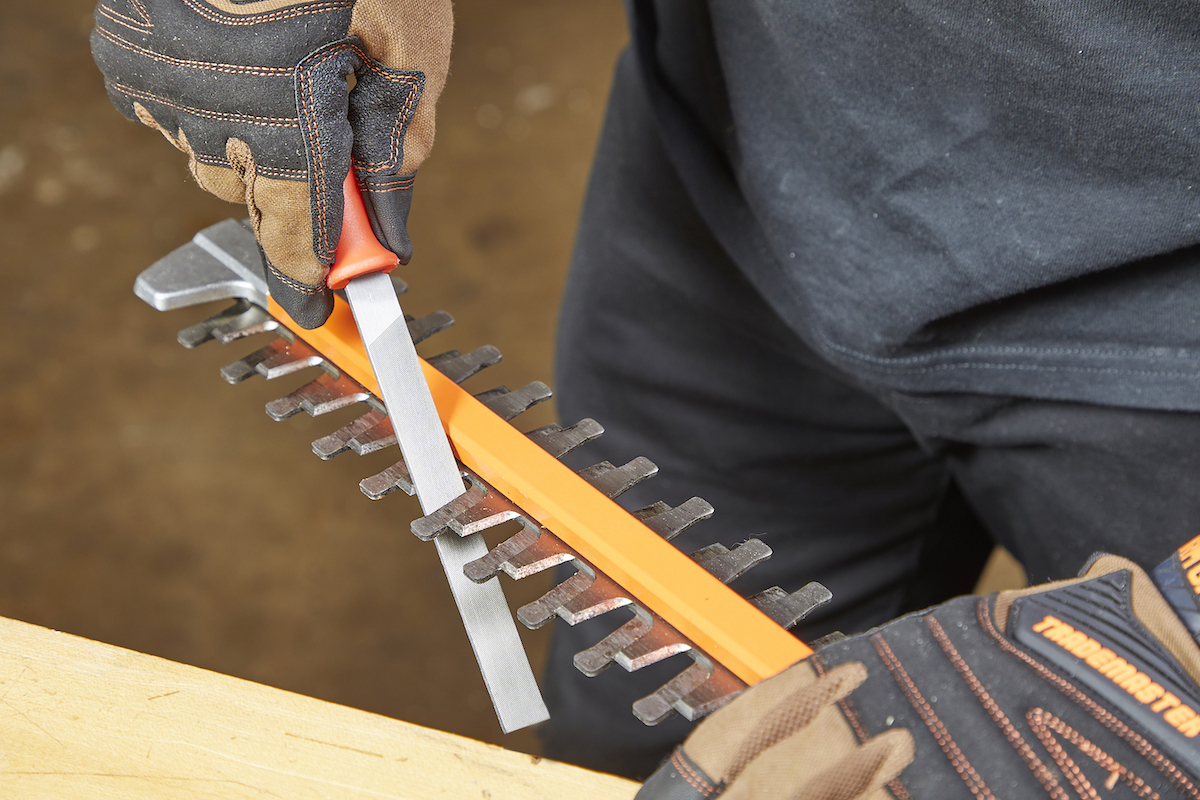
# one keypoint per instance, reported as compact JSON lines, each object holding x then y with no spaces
{"x":84,"y":719}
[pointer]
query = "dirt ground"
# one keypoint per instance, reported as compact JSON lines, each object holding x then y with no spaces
{"x":148,"y":504}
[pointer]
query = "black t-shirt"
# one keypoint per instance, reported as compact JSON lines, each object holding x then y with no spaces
{"x":996,"y":196}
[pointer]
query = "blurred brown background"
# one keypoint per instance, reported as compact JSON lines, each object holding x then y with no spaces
{"x":144,"y":502}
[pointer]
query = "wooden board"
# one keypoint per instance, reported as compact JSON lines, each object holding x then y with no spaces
{"x":84,"y":719}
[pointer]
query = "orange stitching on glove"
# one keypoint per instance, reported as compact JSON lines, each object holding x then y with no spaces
{"x":1042,"y":722}
{"x":1106,"y":718}
{"x":303,"y":288}
{"x":962,"y":766}
{"x":1039,"y":769}
{"x":266,"y":122}
{"x":228,"y":19}
{"x":395,"y":140}
{"x":208,"y":66}
{"x":121,"y":19}
{"x":694,"y":779}
{"x":318,"y":174}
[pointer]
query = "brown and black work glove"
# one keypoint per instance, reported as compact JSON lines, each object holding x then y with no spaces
{"x":256,"y":94}
{"x":1078,"y":689}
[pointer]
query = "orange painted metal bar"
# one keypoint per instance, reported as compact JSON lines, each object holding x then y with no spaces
{"x":719,"y":621}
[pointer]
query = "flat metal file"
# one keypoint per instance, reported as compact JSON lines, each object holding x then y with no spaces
{"x":361,"y":266}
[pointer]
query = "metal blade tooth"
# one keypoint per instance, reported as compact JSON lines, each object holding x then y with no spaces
{"x":601,"y":597}
{"x":243,"y":368}
{"x":317,"y":397}
{"x":481,"y":569}
{"x":659,"y":643}
{"x":384,"y":483}
{"x":543,"y":554}
{"x":430,"y":525}
{"x":252,"y":321}
{"x":226,"y":336}
{"x":613,"y":481}
{"x":339,"y":441}
{"x":377,"y":437}
{"x":704,"y":698}
{"x":295,"y":357}
{"x":278,"y":358}
{"x":558,"y":441}
{"x":536,"y":614}
{"x":421,"y":329}
{"x":652,"y":511}
{"x":599,"y":657}
{"x":656,"y":707}
{"x":669,"y":522}
{"x":201,"y":332}
{"x":492,"y":394}
{"x":788,"y":609}
{"x":494,"y":509}
{"x":509,"y":404}
{"x":459,"y":366}
{"x":725,"y":564}
{"x":241,"y":319}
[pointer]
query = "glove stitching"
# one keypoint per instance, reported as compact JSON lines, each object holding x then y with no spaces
{"x":1035,"y":764}
{"x":851,"y":714}
{"x":296,"y":285}
{"x":210,"y":66}
{"x":270,"y":172}
{"x":314,"y":138}
{"x":272,"y":16}
{"x":1044,"y":725}
{"x":395,"y":141}
{"x":383,"y":187}
{"x":689,"y":774}
{"x":128,"y":22}
{"x":266,"y":122}
{"x":1110,"y":721}
{"x":941,"y":734}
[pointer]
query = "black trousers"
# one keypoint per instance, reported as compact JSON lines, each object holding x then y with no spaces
{"x":892,"y":500}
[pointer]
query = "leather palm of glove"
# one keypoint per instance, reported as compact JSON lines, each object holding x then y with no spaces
{"x":257,"y":95}
{"x":1079,"y":689}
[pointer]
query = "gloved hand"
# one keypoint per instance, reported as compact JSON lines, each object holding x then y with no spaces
{"x":256,"y":94}
{"x":1085,"y":688}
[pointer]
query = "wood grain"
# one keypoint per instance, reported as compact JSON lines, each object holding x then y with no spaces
{"x":84,"y":719}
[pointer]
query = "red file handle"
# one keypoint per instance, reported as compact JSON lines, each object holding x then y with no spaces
{"x":358,"y":251}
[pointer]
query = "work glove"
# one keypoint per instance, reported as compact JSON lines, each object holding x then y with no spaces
{"x":1084,"y":688}
{"x":257,"y":94}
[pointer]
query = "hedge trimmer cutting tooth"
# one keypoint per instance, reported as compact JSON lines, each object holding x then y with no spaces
{"x":279,"y":358}
{"x":614,"y":481}
{"x":728,"y":564}
{"x":394,"y":478}
{"x":370,"y":432}
{"x":558,"y":441}
{"x":528,"y":552}
{"x":319,"y":396}
{"x":788,"y":609}
{"x":459,"y":366}
{"x":669,"y":522}
{"x":239,"y":320}
{"x":509,"y":405}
